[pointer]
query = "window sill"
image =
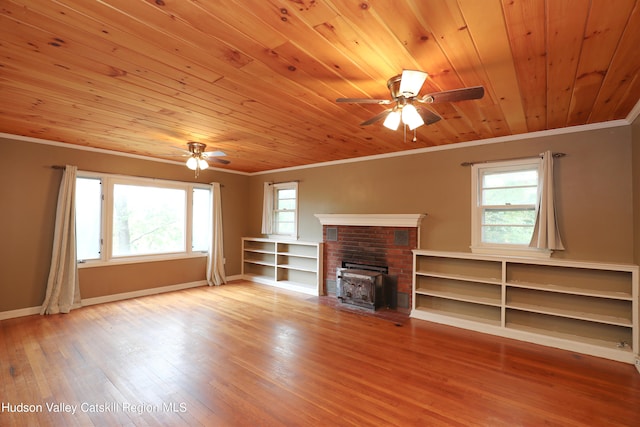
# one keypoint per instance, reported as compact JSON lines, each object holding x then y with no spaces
{"x":525,"y":252}
{"x":139,"y":260}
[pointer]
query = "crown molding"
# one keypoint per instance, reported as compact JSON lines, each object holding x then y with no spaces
{"x":454,"y":146}
{"x":104,"y":151}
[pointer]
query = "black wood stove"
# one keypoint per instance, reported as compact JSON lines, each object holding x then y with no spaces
{"x":361,"y":285}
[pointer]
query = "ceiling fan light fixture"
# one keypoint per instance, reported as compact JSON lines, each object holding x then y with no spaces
{"x":392,"y":121}
{"x":192,"y":163}
{"x":411,"y":117}
{"x":411,"y":82}
{"x":202,"y":163}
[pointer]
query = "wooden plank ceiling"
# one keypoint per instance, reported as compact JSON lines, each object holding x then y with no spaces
{"x":258,"y":79}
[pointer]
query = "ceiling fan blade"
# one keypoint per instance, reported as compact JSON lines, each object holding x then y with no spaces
{"x":428,"y":116}
{"x":411,"y":82}
{"x":376,"y":118}
{"x":217,"y":160}
{"x":364,"y":101}
{"x":454,"y":95}
{"x":214,"y":153}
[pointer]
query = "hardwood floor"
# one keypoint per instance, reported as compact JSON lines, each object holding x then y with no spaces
{"x":250,"y":355}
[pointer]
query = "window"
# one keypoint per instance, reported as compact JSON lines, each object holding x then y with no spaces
{"x":126,"y":219}
{"x":88,"y":218}
{"x":285,"y":209}
{"x":504,"y":205}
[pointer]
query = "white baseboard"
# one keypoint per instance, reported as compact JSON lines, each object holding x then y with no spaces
{"x":141,"y":293}
{"x":30,"y":311}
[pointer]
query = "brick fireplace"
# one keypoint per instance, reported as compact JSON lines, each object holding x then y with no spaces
{"x":384,"y":240}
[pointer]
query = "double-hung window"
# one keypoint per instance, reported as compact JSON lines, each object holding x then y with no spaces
{"x":504,"y":201}
{"x":126,"y":219}
{"x":285,"y":209}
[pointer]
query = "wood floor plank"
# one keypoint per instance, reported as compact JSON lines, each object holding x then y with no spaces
{"x":247,"y":354}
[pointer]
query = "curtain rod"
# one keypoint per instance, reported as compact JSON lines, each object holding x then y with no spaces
{"x":556,"y":155}
{"x":136,"y":176}
{"x":283,"y":182}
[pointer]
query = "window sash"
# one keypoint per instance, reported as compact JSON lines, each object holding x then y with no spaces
{"x":285,"y":212}
{"x":504,"y":203}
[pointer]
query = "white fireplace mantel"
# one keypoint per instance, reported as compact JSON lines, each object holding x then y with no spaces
{"x":372,"y":220}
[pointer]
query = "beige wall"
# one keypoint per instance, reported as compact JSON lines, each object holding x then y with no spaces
{"x":635,"y":136}
{"x":29,"y":187}
{"x":593,"y":192}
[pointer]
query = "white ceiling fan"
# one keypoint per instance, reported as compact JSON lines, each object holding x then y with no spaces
{"x":198,"y":158}
{"x":405,"y":89}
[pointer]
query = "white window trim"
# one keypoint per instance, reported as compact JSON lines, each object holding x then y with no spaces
{"x":479,"y":247}
{"x":106,"y":257}
{"x":274,"y":189}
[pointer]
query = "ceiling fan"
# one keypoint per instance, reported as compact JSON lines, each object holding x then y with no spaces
{"x":405,"y":89}
{"x":197,"y":160}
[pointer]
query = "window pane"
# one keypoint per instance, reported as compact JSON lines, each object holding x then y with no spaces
{"x":148,"y":220}
{"x":509,"y":216}
{"x":88,"y":217}
{"x":285,"y":216}
{"x":288,"y":193}
{"x":201,"y":219}
{"x":285,"y":228}
{"x":285,"y":222}
{"x":516,"y":235}
{"x":510,"y":196}
{"x":286,"y":204}
{"x":510,"y":178}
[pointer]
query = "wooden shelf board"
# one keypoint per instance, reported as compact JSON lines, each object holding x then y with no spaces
{"x":458,"y":315}
{"x":299,"y":268}
{"x":461,"y":277}
{"x":570,"y":337}
{"x":571,"y":290}
{"x":259,"y":251}
{"x":259,"y":262}
{"x":572,"y":314}
{"x":296,"y":286}
{"x":293,"y":255}
{"x":476,"y":299}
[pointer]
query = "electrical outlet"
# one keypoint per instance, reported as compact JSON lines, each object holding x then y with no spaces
{"x":638,"y":363}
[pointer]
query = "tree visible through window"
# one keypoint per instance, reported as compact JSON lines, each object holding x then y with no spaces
{"x":148,"y":220}
{"x":119,"y":217}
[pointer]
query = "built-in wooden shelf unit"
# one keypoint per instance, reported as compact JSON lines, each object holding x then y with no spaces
{"x":289,"y":264}
{"x":586,"y":307}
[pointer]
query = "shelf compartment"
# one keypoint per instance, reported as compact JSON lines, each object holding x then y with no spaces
{"x":260,"y":258}
{"x":459,"y":290}
{"x":464,"y":310}
{"x":298,"y":263}
{"x":598,"y":334}
{"x":486,"y":271}
{"x":297,"y":250}
{"x":254,"y":270}
{"x":299,"y":277}
{"x":572,"y":280}
{"x":602,"y":310}
{"x":259,"y":246}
